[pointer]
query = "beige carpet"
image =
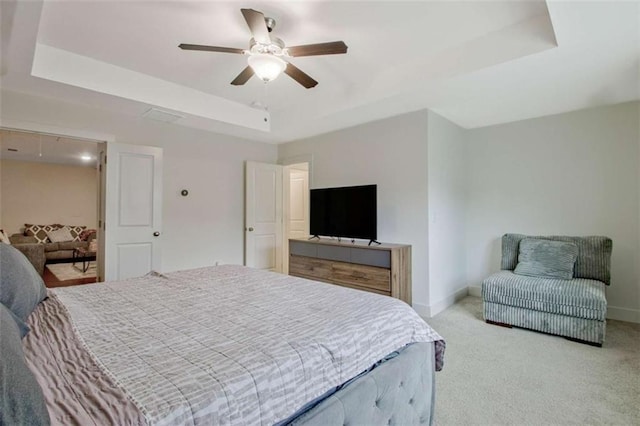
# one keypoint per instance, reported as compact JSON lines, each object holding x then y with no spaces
{"x":66,"y":271}
{"x":499,"y":376}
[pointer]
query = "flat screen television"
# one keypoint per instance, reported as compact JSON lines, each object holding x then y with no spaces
{"x":347,"y":212}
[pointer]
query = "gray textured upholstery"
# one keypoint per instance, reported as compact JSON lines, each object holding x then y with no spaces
{"x":398,"y":392}
{"x":578,"y":297}
{"x":593,"y":261}
{"x":574,"y":308}
{"x":21,"y":399}
{"x":562,"y":325}
{"x":546,"y":258}
{"x":21,"y":288}
{"x":34,"y":252}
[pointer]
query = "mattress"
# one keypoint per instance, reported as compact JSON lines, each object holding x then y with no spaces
{"x":219,"y":345}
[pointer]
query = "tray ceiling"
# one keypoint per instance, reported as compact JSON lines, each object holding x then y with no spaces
{"x":452,"y":57}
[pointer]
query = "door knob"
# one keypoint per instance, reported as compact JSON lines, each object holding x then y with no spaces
{"x":156,"y":234}
{"x":250,"y":229}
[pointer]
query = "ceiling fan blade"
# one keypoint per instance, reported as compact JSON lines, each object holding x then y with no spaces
{"x":243,"y":77}
{"x":298,"y":75}
{"x":330,"y":48}
{"x":210,"y":48}
{"x":257,"y":25}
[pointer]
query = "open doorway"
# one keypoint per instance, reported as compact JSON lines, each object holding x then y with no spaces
{"x":49,"y":193}
{"x":296,"y":206}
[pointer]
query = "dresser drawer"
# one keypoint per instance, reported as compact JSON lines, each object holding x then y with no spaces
{"x":303,"y":249}
{"x":362,"y":276}
{"x":334,"y":253}
{"x":309,"y":267}
{"x":379,"y":258}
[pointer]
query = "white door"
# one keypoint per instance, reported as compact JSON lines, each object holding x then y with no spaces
{"x":133,"y":210}
{"x":263,"y":216}
{"x":298,"y":203}
{"x":102,"y":171}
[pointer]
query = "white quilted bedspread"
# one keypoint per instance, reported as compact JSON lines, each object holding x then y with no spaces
{"x":234,"y":345}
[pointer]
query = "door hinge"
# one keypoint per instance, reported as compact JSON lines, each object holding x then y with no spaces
{"x":105,"y":159}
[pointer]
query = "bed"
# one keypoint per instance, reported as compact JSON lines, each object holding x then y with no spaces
{"x":230,"y":345}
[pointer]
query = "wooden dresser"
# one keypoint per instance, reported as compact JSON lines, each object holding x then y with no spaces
{"x":383,"y":269}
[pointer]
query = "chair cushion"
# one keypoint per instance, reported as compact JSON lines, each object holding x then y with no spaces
{"x":70,"y":245}
{"x":546,"y":258}
{"x":579,"y":297}
{"x":51,"y":247}
{"x":593,"y":261}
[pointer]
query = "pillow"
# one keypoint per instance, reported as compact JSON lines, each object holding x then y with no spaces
{"x":546,"y":258}
{"x":39,"y":231}
{"x":76,"y":231}
{"x":87,"y":234}
{"x":21,"y":287}
{"x":60,"y":235}
{"x":22,"y":400}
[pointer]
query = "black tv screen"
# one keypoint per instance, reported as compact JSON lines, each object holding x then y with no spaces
{"x":349,"y":212}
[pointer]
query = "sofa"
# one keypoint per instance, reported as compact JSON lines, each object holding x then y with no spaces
{"x":552,"y":284}
{"x":36,"y":246}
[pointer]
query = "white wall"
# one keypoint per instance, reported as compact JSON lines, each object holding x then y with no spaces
{"x":207,"y":225}
{"x":391,"y":153}
{"x":570,"y":174}
{"x":44,"y":194}
{"x":447,"y":192}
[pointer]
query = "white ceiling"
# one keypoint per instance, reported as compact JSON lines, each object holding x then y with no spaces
{"x":42,"y":148}
{"x":476,"y":63}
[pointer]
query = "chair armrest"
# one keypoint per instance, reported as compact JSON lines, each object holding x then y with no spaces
{"x":35,"y":255}
{"x":22,"y":239}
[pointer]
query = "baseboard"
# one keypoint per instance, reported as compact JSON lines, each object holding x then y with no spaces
{"x":422,"y":310}
{"x":475,"y":291}
{"x":443,"y":304}
{"x":623,"y":314}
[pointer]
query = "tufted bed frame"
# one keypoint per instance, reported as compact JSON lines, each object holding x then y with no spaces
{"x":401,"y":391}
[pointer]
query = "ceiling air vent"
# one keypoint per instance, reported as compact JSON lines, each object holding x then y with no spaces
{"x":164,"y":116}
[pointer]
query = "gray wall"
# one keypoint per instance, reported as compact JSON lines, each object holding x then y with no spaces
{"x":447,"y":193}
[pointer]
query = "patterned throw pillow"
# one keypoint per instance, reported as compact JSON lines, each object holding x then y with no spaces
{"x":76,"y":231}
{"x":39,"y":231}
{"x":60,"y":235}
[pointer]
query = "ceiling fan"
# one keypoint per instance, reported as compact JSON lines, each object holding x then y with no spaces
{"x":266,"y":52}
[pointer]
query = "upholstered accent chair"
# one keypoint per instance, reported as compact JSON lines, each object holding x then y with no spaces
{"x":553,"y":284}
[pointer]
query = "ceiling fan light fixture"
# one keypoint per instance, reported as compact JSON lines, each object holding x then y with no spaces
{"x":267,"y":67}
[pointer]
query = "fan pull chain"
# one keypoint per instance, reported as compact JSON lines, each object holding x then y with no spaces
{"x":265,"y":96}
